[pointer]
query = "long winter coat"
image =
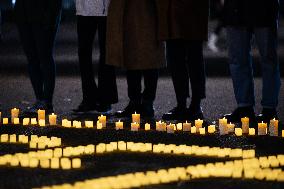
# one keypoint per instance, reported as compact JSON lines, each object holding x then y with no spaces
{"x":132,"y":41}
{"x":183,"y":19}
{"x":251,"y":13}
{"x":39,"y":12}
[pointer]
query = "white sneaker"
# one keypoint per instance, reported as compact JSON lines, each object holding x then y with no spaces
{"x":212,"y":43}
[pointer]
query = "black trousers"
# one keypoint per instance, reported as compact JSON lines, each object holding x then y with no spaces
{"x":134,"y":78}
{"x":106,"y":90}
{"x":185,"y":61}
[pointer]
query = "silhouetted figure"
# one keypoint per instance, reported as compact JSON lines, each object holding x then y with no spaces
{"x":37,"y":24}
{"x":183,"y":24}
{"x":92,"y":19}
{"x":246,"y":20}
{"x":132,"y":44}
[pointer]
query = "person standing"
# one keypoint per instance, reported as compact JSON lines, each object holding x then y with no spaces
{"x":92,"y":19}
{"x":37,"y":23}
{"x":132,"y":44}
{"x":244,"y":20}
{"x":183,"y":24}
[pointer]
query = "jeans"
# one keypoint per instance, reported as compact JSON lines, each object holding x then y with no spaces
{"x":185,"y":60}
{"x":38,"y":44}
{"x":106,"y":90}
{"x":240,"y":59}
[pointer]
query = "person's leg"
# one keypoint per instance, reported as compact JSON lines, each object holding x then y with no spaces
{"x":266,"y":39}
{"x":176,"y":59}
{"x":197,"y":77}
{"x":86,"y":30}
{"x":106,"y":73}
{"x":149,"y":92}
{"x":240,"y":61}
{"x":26,"y":34}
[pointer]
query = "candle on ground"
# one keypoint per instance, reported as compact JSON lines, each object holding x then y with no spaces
{"x":102,"y":119}
{"x":118,"y":125}
{"x":262,"y":128}
{"x":41,"y":122}
{"x":198,"y":124}
{"x":193,"y":130}
{"x":33,"y":121}
{"x":245,"y":124}
{"x":223,"y":126}
{"x":99,"y":125}
{"x":179,"y":126}
{"x":26,"y":121}
{"x":171,"y":128}
{"x":202,"y":131}
{"x":231,"y":128}
{"x":5,"y":121}
{"x":238,"y":131}
{"x":211,"y":129}
{"x":89,"y":124}
{"x":134,"y":126}
{"x":52,"y":119}
{"x":14,"y":114}
{"x":147,"y":127}
{"x":135,"y":118}
{"x":251,"y":131}
{"x":16,"y":121}
{"x":186,"y":126}
{"x":273,"y":127}
{"x":40,"y":114}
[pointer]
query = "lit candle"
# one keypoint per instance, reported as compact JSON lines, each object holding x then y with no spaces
{"x":4,"y":138}
{"x":54,"y":164}
{"x":76,"y":163}
{"x":198,"y":124}
{"x":52,"y":119}
{"x":135,"y":118}
{"x":179,"y":126}
{"x":99,"y":125}
{"x":147,"y":127}
{"x":223,"y":126}
{"x":238,"y":131}
{"x":193,"y":130}
{"x":41,"y":114}
{"x":262,"y":128}
{"x":5,"y":121}
{"x":14,"y":113}
{"x":211,"y":129}
{"x":186,"y":126}
{"x":89,"y":124}
{"x":13,"y":138}
{"x":26,"y":121}
{"x":33,"y":121}
{"x":41,"y":123}
{"x":134,"y":126}
{"x":245,"y":124}
{"x":231,"y":128}
{"x":16,"y":121}
{"x":118,"y":125}
{"x":202,"y":131}
{"x":283,"y":133}
{"x":251,"y":131}
{"x":171,"y":128}
{"x":273,"y":127}
{"x":77,"y":124}
{"x":102,"y":119}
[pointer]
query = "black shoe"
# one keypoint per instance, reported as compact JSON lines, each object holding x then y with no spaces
{"x":239,"y":113}
{"x":176,"y":113}
{"x":194,"y":114}
{"x":103,"y":108}
{"x":267,"y":114}
{"x":147,"y":110}
{"x":130,"y":109}
{"x":85,"y":107}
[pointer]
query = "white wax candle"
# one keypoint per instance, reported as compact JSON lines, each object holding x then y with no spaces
{"x":26,"y":121}
{"x":179,"y":126}
{"x":14,"y":113}
{"x":147,"y":127}
{"x":202,"y":131}
{"x":238,"y":131}
{"x":135,"y":118}
{"x":193,"y":130}
{"x":41,"y":122}
{"x":52,"y":119}
{"x":231,"y":127}
{"x":40,"y":114}
{"x":99,"y":125}
{"x":186,"y":126}
{"x":5,"y":121}
{"x":211,"y":129}
{"x":262,"y":128}
{"x":33,"y":121}
{"x":251,"y":131}
{"x":118,"y":125}
{"x":16,"y":121}
{"x":134,"y":126}
{"x":89,"y":124}
{"x":273,"y":127}
{"x":245,"y":124}
{"x":198,"y":124}
{"x":102,"y":119}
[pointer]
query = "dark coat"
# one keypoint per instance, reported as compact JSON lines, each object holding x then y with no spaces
{"x":132,"y":41}
{"x":41,"y":12}
{"x":183,"y":19}
{"x":251,"y":13}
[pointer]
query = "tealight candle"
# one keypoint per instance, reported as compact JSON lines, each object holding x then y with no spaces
{"x":41,"y":114}
{"x":54,"y":163}
{"x":41,"y":122}
{"x":134,"y":126}
{"x":193,"y":130}
{"x":5,"y":121}
{"x":33,"y":163}
{"x":202,"y":131}
{"x":179,"y":126}
{"x":52,"y":119}
{"x":245,"y":124}
{"x":65,"y":163}
{"x":273,"y":127}
{"x":102,"y":119}
{"x":251,"y":131}
{"x":198,"y":124}
{"x":76,"y":163}
{"x":99,"y":125}
{"x":262,"y":128}
{"x":135,"y":118}
{"x":13,"y":138}
{"x":238,"y":131}
{"x":33,"y":121}
{"x":118,"y":125}
{"x":16,"y":121}
{"x":186,"y":126}
{"x":147,"y":127}
{"x":4,"y":138}
{"x":231,"y":127}
{"x":171,"y":128}
{"x":89,"y":124}
{"x":14,"y":113}
{"x":26,"y":121}
{"x":211,"y":129}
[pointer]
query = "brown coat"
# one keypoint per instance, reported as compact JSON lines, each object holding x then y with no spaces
{"x":132,"y":41}
{"x":183,"y":19}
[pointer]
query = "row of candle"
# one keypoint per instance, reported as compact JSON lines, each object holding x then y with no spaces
{"x":53,"y":163}
{"x":34,"y":141}
{"x":230,"y":169}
